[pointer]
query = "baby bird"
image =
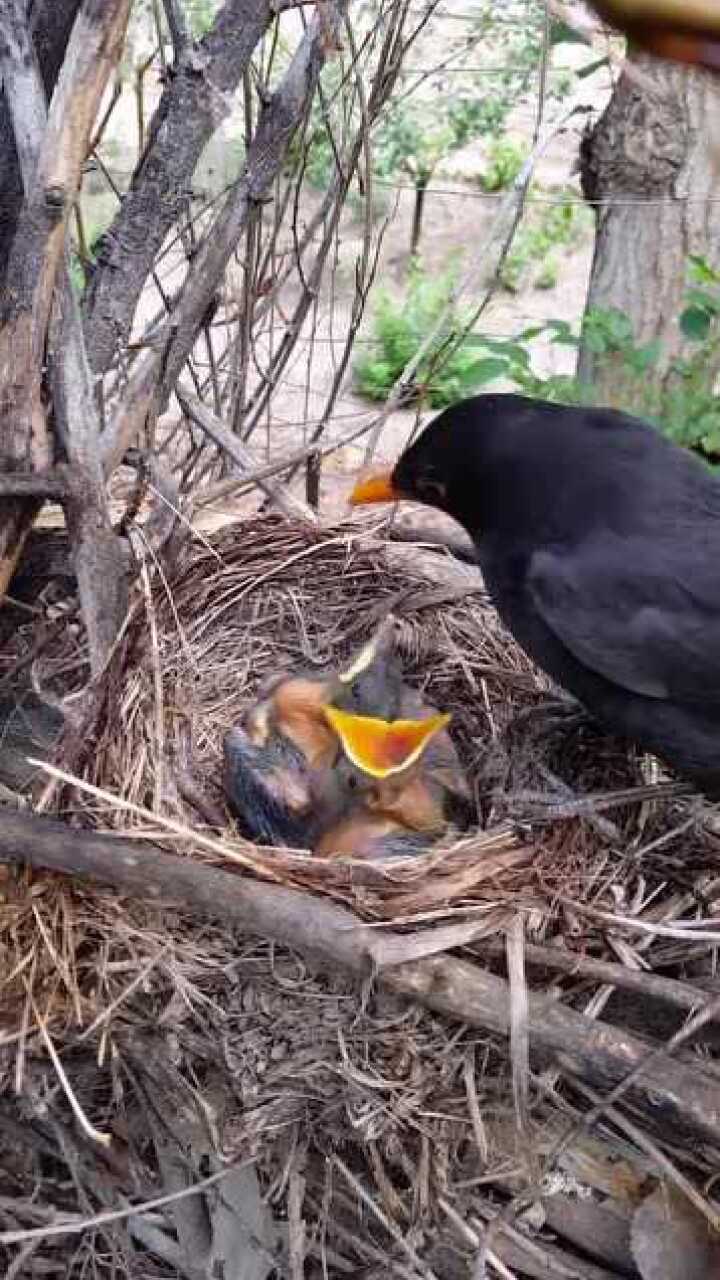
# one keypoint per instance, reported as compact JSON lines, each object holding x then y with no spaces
{"x":399,"y":786}
{"x":285,"y":740}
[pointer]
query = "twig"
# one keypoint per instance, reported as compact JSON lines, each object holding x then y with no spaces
{"x":662,"y":1162}
{"x":678,"y":1095}
{"x":393,"y":1231}
{"x":95,"y":1135}
{"x":78,"y":1224}
{"x":503,"y":228}
{"x":690,"y":930}
{"x":680,"y":994}
{"x":291,"y":506}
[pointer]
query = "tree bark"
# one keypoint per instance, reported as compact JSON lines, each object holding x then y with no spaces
{"x":51,"y":149}
{"x":196,"y":99}
{"x":50,"y":22}
{"x":651,"y":163}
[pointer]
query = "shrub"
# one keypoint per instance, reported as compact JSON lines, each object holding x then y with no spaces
{"x":399,"y":329}
{"x":546,"y":228}
{"x":504,"y":162}
{"x":684,"y":406}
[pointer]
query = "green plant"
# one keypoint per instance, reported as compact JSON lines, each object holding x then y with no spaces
{"x":418,"y":129}
{"x":398,"y":330}
{"x":683,"y":405}
{"x":201,"y":15}
{"x":504,"y":162}
{"x":546,"y":228}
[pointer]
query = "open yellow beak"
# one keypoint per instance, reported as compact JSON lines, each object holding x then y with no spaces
{"x":377,"y":488}
{"x":383,"y":747}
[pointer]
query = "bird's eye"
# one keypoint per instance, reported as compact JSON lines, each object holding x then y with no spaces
{"x":431,"y":490}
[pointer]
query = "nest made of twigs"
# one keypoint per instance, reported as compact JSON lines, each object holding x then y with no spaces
{"x":385,"y":1097}
{"x":264,"y":596}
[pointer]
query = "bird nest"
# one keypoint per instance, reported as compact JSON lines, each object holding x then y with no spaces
{"x":334,"y":1127}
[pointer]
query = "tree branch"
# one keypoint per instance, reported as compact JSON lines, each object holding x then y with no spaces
{"x":676,"y":1095}
{"x":50,"y":27}
{"x":35,"y":484}
{"x":92,"y":53}
{"x":281,"y":497}
{"x":157,"y":370}
{"x":196,"y":99}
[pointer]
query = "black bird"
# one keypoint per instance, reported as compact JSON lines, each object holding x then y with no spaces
{"x":599,"y":541}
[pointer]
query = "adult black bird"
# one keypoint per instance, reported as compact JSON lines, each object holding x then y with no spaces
{"x":599,"y":541}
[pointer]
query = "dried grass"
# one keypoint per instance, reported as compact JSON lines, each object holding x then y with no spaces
{"x":387,"y":1136}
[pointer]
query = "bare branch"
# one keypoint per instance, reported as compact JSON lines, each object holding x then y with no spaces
{"x":242,"y":457}
{"x":36,"y":484}
{"x":680,"y":1096}
{"x":196,"y":99}
{"x":51,"y":157}
{"x":50,"y":27}
{"x":177,"y":26}
{"x":157,"y":370}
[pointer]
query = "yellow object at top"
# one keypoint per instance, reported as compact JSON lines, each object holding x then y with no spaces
{"x":694,"y":15}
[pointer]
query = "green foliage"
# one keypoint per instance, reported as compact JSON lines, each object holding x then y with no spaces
{"x":201,"y":15}
{"x":476,"y":117}
{"x":400,"y":328}
{"x":419,"y":129}
{"x":504,"y":162}
{"x":531,"y":259}
{"x":683,"y":405}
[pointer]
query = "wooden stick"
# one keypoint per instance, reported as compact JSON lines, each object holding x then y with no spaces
{"x":651,"y":985}
{"x":221,"y":435}
{"x":677,"y":1096}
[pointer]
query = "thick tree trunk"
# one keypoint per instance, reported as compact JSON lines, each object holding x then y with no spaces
{"x":651,"y":164}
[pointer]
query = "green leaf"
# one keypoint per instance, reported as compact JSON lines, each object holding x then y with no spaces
{"x":561,"y":33}
{"x":563,"y":335}
{"x":702,"y":271}
{"x":701,"y":298}
{"x":483,"y":371}
{"x":640,"y":359}
{"x":695,"y":323}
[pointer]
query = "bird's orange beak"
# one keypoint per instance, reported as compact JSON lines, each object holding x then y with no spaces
{"x":376,"y":488}
{"x":382,"y":748}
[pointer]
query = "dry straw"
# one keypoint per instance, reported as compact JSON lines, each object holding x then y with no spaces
{"x":389,"y":1136}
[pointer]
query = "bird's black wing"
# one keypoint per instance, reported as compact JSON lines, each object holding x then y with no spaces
{"x":643,"y":615}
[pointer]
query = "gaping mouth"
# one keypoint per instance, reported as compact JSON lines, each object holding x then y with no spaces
{"x":376,"y":488}
{"x":383,"y":747}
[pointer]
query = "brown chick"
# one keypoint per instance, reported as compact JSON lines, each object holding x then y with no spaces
{"x":390,"y":796}
{"x":285,"y":740}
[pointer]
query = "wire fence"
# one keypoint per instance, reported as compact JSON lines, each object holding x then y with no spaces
{"x":275,"y":359}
